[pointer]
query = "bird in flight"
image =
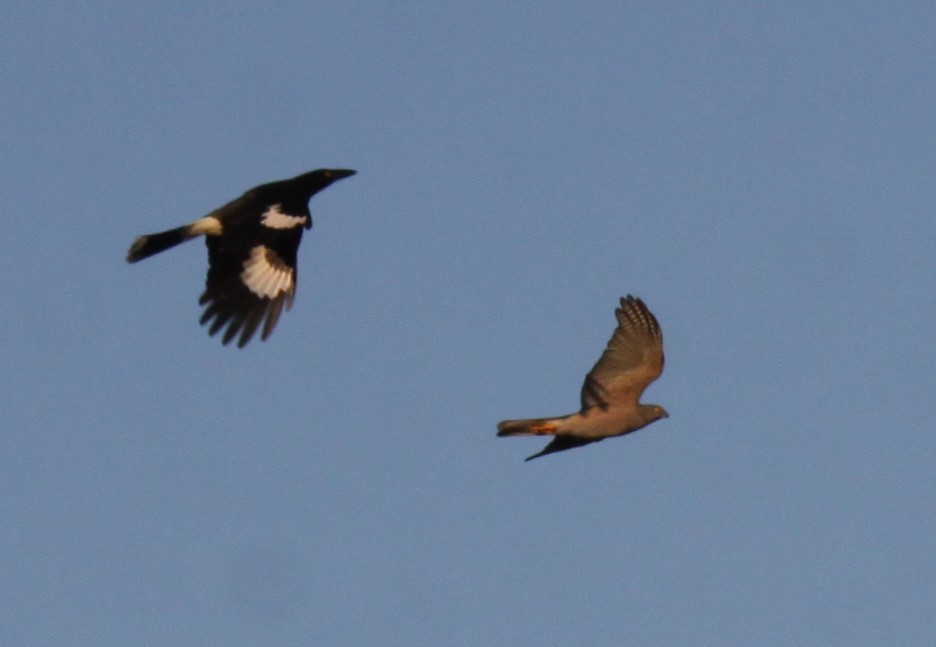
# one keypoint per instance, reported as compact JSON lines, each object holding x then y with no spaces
{"x":253,"y":242}
{"x":611,"y":392}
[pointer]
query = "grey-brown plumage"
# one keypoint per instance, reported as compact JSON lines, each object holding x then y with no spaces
{"x":611,"y":393}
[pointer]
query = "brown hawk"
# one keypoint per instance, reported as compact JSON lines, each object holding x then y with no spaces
{"x":612,"y":390}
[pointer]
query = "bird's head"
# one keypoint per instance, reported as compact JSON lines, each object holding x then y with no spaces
{"x":652,"y":412}
{"x":332,"y":174}
{"x":315,"y":181}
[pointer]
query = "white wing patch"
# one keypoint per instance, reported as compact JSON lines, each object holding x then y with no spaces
{"x":209,"y":225}
{"x":276,"y":219}
{"x":265,"y":274}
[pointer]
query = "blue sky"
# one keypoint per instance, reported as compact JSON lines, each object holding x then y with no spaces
{"x":761,"y":174}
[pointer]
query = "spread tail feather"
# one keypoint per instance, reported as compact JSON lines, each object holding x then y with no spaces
{"x":528,"y":427}
{"x":150,"y":244}
{"x":543,"y":427}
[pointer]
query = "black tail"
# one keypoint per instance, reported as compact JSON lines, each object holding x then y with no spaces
{"x":150,"y":244}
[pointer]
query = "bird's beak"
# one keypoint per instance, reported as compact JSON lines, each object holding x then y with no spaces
{"x":340,"y":173}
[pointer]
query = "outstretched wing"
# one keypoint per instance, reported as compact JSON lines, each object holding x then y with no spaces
{"x":632,"y":360}
{"x":562,"y":443}
{"x":251,"y":279}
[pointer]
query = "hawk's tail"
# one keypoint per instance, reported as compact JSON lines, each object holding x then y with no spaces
{"x":150,"y":244}
{"x":528,"y":427}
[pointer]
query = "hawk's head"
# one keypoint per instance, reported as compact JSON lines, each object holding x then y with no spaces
{"x":652,"y":412}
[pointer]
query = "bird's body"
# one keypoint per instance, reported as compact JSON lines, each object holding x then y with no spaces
{"x":253,"y":243}
{"x":611,"y":393}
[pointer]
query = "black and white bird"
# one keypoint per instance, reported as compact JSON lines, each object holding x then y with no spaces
{"x":253,"y":243}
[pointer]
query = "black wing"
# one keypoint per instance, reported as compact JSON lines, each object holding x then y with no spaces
{"x":251,"y":278}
